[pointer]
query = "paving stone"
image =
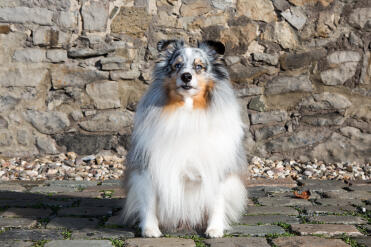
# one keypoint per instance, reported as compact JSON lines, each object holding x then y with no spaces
{"x":93,"y":202}
{"x":237,"y":242}
{"x":338,"y":219}
{"x":15,"y":244}
{"x":361,"y":195}
{"x":259,"y":210}
{"x":11,"y":187}
{"x":323,"y":188}
{"x":366,"y":241}
{"x":267,"y":219}
{"x":79,"y":243}
{"x":307,"y":241}
{"x":85,"y":211}
{"x":318,"y":182}
{"x":318,"y":209}
{"x":72,"y":223}
{"x":325,"y":229}
{"x":159,"y":242}
{"x":255,"y":230}
{"x":281,"y":182}
{"x":361,"y":188}
{"x":17,"y":222}
{"x":33,"y":235}
{"x":114,"y":221}
{"x":271,"y":201}
{"x":182,"y":232}
{"x":26,"y":212}
{"x":255,"y":192}
{"x":338,"y":202}
{"x":51,"y":189}
{"x":101,"y":233}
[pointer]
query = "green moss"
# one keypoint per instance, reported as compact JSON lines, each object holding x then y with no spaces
{"x":67,"y":234}
{"x":347,"y":239}
{"x":40,"y":243}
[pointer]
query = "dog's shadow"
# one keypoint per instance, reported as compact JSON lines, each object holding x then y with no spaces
{"x":103,"y":213}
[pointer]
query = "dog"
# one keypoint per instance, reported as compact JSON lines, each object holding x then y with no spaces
{"x":186,"y":155}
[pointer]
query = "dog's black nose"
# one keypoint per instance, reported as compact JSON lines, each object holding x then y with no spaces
{"x":186,"y":77}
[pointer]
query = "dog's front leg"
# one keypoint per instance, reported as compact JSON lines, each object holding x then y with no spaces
{"x":148,"y":219}
{"x":216,"y":221}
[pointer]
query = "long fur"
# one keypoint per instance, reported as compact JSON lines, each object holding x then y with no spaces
{"x":184,"y":165}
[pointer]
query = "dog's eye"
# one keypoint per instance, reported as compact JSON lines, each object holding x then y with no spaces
{"x":199,"y":67}
{"x":178,"y":65}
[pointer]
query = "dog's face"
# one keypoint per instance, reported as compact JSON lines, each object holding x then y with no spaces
{"x":190,"y":71}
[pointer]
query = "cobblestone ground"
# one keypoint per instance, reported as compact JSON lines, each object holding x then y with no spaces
{"x":86,"y":213}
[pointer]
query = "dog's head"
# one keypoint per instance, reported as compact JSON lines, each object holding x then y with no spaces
{"x":190,"y":71}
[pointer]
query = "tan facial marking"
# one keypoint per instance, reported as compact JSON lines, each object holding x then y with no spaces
{"x":199,"y":62}
{"x":201,"y":100}
{"x":174,"y":100}
{"x":178,"y":60}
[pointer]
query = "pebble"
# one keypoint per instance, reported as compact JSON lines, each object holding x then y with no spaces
{"x":107,"y":165}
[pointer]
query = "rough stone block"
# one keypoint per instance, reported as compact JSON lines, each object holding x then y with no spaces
{"x":22,"y":76}
{"x":268,"y":131}
{"x":113,"y":63}
{"x":298,"y":139}
{"x":124,"y":75}
{"x":268,"y":117}
{"x":108,"y":121}
{"x":271,"y":59}
{"x":34,"y":55}
{"x":69,"y":76}
{"x":56,"y":56}
{"x":48,"y":122}
{"x":339,"y":75}
{"x":25,"y":15}
{"x":104,"y":94}
{"x":50,"y":37}
{"x":359,"y":17}
{"x":249,"y":91}
{"x":95,"y":15}
{"x":66,"y":19}
{"x":295,"y":16}
{"x":257,"y":10}
{"x":285,"y":84}
{"x":329,"y":119}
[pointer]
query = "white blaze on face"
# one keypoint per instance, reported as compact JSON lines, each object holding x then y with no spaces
{"x":189,"y":56}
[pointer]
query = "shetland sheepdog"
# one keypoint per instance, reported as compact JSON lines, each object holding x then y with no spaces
{"x":186,"y":156}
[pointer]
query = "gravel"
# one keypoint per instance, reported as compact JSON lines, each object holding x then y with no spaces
{"x":106,"y":165}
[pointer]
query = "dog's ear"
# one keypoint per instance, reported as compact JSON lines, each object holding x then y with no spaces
{"x":163,"y":45}
{"x":216,"y":46}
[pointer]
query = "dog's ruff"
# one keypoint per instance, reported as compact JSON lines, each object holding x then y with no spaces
{"x":184,"y":164}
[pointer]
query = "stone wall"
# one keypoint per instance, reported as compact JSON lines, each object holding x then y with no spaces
{"x":73,"y":70}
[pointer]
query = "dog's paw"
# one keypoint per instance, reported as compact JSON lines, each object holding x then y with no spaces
{"x":153,"y":232}
{"x":214,"y":233}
